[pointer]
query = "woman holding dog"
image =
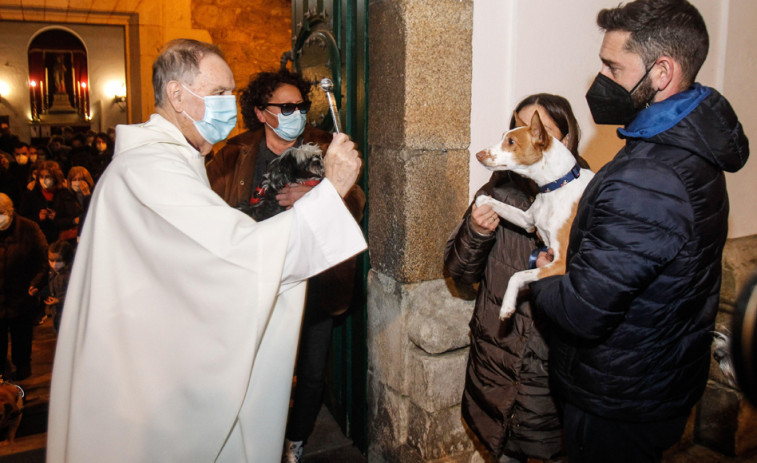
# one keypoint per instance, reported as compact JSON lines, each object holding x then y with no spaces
{"x":274,"y":108}
{"x":507,"y":401}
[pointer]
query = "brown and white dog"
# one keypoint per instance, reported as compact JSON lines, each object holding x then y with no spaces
{"x":531,"y":152}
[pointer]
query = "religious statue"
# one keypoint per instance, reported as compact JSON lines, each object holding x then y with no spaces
{"x":59,"y":74}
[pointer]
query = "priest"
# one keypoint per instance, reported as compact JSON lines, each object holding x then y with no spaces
{"x":181,"y":320}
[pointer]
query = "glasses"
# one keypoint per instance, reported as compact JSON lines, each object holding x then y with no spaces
{"x":289,"y":108}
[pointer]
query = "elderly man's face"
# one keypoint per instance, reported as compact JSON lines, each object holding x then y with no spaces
{"x":215,"y":78}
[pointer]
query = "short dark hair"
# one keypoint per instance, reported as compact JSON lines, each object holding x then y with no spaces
{"x":662,"y":27}
{"x":560,"y":111}
{"x":19,"y":145}
{"x":63,"y":248}
{"x":261,"y":87}
{"x":179,"y":60}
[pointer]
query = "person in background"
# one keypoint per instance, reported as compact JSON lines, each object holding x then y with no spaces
{"x":33,"y":154}
{"x":58,"y":151}
{"x":111,"y":134}
{"x":81,"y":184}
{"x":23,"y":252}
{"x":90,"y":137}
{"x":506,"y":401}
{"x":81,"y":153}
{"x":8,"y":139}
{"x":634,"y":313}
{"x":52,"y":205}
{"x":19,"y":172}
{"x":103,"y":154}
{"x":60,"y":256}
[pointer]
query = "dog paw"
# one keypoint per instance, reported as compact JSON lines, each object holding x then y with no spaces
{"x":483,"y":199}
{"x":506,"y":312}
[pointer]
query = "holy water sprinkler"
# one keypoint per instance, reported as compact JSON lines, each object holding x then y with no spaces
{"x":327,"y":86}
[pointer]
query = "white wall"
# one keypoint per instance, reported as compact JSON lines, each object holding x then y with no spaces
{"x":524,"y":47}
{"x":105,"y":60}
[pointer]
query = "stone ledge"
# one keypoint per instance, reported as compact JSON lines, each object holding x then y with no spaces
{"x":437,"y":321}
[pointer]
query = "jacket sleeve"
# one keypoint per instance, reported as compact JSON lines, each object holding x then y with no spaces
{"x":38,"y":255}
{"x":467,"y":252}
{"x":640,"y":220}
{"x":67,"y":209}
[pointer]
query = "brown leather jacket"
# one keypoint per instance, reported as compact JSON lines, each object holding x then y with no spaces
{"x":506,"y":400}
{"x":231,"y":171}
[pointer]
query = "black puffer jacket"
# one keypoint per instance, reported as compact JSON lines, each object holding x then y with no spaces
{"x":635,"y":310}
{"x":506,"y":401}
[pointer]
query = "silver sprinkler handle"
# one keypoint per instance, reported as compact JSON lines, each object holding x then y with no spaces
{"x":327,"y":86}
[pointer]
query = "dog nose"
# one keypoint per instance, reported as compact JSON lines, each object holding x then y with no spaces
{"x":482,"y":155}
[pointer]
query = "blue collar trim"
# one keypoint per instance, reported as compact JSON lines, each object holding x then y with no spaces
{"x":662,"y":116}
{"x":574,"y":173}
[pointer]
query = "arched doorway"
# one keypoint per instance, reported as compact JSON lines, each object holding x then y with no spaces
{"x":59,"y":76}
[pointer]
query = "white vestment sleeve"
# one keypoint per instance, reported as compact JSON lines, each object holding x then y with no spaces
{"x":324,"y":233}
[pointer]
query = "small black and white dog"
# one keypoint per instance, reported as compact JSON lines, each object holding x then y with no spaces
{"x":302,"y":164}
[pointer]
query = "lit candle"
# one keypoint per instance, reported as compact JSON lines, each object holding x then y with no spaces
{"x":85,"y":93}
{"x":33,"y":85}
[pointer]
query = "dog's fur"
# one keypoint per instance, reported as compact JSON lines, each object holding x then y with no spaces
{"x":295,"y":165}
{"x":11,"y":410}
{"x":532,"y":153}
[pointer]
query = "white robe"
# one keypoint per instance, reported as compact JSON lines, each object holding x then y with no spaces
{"x":182,"y":315}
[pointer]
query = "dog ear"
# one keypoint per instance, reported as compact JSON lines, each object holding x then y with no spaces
{"x":518,"y":121}
{"x":538,"y":132}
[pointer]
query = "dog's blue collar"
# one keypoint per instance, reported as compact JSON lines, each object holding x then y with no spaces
{"x":574,"y":173}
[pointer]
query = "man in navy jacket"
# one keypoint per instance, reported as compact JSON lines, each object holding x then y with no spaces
{"x":633,"y":314}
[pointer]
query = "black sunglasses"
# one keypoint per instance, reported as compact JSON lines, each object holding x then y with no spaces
{"x":289,"y":108}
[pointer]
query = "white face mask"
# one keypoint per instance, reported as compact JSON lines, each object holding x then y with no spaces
{"x":33,"y":157}
{"x":47,"y":183}
{"x":5,"y":221}
{"x":22,"y":159}
{"x":75,"y":185}
{"x":57,"y":265}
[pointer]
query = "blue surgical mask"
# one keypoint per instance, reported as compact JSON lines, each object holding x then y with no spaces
{"x":291,"y":126}
{"x":220,"y":116}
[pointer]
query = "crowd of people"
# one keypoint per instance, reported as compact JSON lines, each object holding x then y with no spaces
{"x":44,"y":196}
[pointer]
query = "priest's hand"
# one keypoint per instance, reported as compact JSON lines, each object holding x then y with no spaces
{"x":342,"y":163}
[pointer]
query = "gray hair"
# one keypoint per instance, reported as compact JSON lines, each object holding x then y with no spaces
{"x":6,"y":202}
{"x":179,"y":60}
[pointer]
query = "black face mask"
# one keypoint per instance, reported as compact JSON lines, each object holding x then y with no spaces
{"x":610,"y":103}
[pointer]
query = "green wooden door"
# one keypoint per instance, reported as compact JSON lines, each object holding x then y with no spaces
{"x":330,"y":39}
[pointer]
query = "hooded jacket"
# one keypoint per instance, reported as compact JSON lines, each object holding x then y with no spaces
{"x":634,"y":312}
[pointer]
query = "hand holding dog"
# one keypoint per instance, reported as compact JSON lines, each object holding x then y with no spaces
{"x":342,"y":163}
{"x":483,"y":219}
{"x":545,"y":258}
{"x":291,"y":193}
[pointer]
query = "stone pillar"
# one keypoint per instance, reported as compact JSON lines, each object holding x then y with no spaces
{"x":418,"y":137}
